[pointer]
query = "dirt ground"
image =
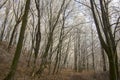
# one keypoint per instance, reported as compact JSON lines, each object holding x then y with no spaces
{"x":23,"y":71}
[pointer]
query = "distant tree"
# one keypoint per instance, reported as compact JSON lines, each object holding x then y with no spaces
{"x":5,"y":21}
{"x":18,"y":19}
{"x":3,"y":4}
{"x":92,"y":49}
{"x":103,"y":59}
{"x":53,"y":21}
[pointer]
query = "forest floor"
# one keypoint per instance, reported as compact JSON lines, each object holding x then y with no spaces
{"x":23,"y":71}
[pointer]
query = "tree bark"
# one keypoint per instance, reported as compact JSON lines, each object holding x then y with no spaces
{"x":112,"y":69}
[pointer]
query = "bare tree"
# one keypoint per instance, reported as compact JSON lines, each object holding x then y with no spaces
{"x":3,"y":3}
{"x":106,"y":37}
{"x":52,"y":26}
{"x":18,"y":19}
{"x":11,"y":74}
{"x":5,"y":21}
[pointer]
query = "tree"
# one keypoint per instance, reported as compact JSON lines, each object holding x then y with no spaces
{"x":11,"y":74}
{"x":53,"y":21}
{"x":105,"y":34}
{"x":5,"y":21}
{"x":103,"y":59}
{"x":3,"y":4}
{"x":92,"y":49}
{"x":38,"y":30}
{"x":18,"y":19}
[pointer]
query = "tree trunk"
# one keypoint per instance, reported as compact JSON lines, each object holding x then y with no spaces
{"x":116,"y":63}
{"x":11,"y":74}
{"x":112,"y":69}
{"x":103,"y":59}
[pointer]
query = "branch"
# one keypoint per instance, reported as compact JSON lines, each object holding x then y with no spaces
{"x":3,"y":4}
{"x":83,"y":4}
{"x":116,"y":26}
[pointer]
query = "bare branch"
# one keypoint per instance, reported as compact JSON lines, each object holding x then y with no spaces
{"x":83,"y":4}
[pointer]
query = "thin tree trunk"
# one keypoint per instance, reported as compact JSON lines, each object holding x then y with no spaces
{"x":11,"y":39}
{"x":103,"y":59}
{"x":93,"y":58}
